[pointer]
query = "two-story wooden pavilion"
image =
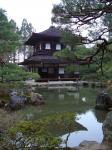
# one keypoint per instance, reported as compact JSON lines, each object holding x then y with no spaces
{"x":42,"y":60}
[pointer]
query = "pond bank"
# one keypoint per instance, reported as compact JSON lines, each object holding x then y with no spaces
{"x":65,"y":100}
{"x":63,"y":83}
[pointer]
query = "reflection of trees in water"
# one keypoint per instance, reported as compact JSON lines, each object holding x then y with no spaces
{"x":66,"y":140}
{"x":69,"y":94}
{"x":65,"y":99}
{"x":100,"y":115}
{"x":61,"y":96}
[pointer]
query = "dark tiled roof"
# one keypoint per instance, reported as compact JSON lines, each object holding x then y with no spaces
{"x":44,"y":58}
{"x":52,"y":33}
{"x":51,"y":59}
{"x":41,"y":59}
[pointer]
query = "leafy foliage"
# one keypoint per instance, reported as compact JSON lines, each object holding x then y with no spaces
{"x":9,"y":37}
{"x":9,"y":41}
{"x":12,"y":72}
{"x":41,"y":133}
{"x":71,"y":39}
{"x":81,"y":51}
{"x":66,"y":54}
{"x":94,"y":17}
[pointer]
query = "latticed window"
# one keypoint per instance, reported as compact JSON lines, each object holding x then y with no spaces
{"x":47,"y":46}
{"x":58,"y":46}
{"x":61,"y":70}
{"x":44,"y":69}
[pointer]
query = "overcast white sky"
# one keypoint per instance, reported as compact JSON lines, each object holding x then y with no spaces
{"x":37,"y":12}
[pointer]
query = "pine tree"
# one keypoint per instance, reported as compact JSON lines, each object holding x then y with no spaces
{"x":8,"y":37}
{"x":26,"y":31}
{"x":87,"y":15}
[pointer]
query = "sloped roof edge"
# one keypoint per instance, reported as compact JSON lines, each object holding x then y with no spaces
{"x":51,"y":32}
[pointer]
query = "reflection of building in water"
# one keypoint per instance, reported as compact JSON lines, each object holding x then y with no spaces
{"x":59,"y":90}
{"x":75,"y":95}
{"x":29,"y":116}
{"x":61,"y":96}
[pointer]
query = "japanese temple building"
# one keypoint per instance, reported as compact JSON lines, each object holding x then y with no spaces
{"x":42,"y":60}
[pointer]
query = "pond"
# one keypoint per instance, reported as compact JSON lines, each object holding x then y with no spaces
{"x":80,"y":101}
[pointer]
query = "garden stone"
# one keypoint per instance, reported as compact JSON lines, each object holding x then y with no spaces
{"x":36,"y":99}
{"x":107,"y":129}
{"x":92,"y":145}
{"x":100,"y":115}
{"x":103,"y":101}
{"x":2,"y":103}
{"x":16,"y":101}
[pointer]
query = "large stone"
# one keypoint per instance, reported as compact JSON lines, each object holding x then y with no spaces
{"x":16,"y":101}
{"x":92,"y":145}
{"x":100,"y":115}
{"x":36,"y":99}
{"x":103,"y":101}
{"x":2,"y":103}
{"x":107,"y":129}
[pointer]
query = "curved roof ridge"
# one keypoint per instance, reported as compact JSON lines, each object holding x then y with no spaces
{"x":51,"y":31}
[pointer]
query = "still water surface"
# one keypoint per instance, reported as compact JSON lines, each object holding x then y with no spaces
{"x":81,"y":102}
{"x":93,"y":133}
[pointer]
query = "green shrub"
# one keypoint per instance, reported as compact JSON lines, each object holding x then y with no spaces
{"x":41,"y":132}
{"x":12,"y":72}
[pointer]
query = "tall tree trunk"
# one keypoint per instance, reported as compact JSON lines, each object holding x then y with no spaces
{"x":24,"y":52}
{"x":2,"y":63}
{"x":14,"y":58}
{"x":101,"y":65}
